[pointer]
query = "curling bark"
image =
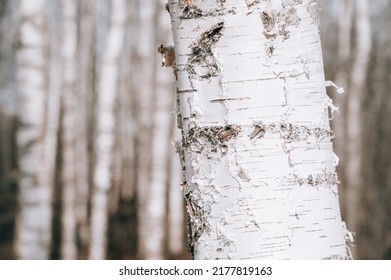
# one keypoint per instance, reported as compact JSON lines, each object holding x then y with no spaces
{"x":259,"y":168}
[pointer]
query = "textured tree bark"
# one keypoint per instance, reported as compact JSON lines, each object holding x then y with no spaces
{"x":107,"y":89}
{"x":35,"y":138}
{"x":259,"y":168}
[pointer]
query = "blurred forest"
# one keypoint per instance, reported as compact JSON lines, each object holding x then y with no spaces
{"x":88,"y":168}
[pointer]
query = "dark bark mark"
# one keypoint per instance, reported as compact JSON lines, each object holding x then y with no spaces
{"x":181,"y":153}
{"x":277,"y":23}
{"x":326,"y":178}
{"x":251,"y":3}
{"x":287,"y":17}
{"x":197,"y":220}
{"x":191,"y":11}
{"x":178,"y":112}
{"x":209,"y":139}
{"x":336,"y":257}
{"x":259,"y":131}
{"x":268,"y":20}
{"x":290,"y":132}
{"x":202,"y":53}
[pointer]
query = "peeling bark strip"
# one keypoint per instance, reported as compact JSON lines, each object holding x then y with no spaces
{"x":193,"y":12}
{"x":198,"y":220}
{"x":214,"y":134}
{"x":290,"y":132}
{"x":202,"y":53}
{"x":259,"y":171}
{"x":324,"y":179}
{"x":199,"y":138}
{"x":276,"y":23}
{"x":251,"y":3}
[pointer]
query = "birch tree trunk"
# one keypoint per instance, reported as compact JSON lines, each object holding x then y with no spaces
{"x":342,"y":79}
{"x":354,"y":179}
{"x":85,"y":88}
{"x":256,"y":142}
{"x":69,"y":101}
{"x":155,"y":200}
{"x":35,"y":137}
{"x":107,"y":89}
{"x":144,"y":44}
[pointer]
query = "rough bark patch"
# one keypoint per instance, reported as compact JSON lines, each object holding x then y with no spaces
{"x":290,"y":132}
{"x":198,"y":219}
{"x":202,"y":53}
{"x":209,"y":139}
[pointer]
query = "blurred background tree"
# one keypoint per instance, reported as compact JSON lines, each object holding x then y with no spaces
{"x":103,"y":180}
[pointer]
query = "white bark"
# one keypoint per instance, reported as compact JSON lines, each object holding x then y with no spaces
{"x":69,"y":101}
{"x":260,"y":169}
{"x":107,"y":89}
{"x":36,"y":137}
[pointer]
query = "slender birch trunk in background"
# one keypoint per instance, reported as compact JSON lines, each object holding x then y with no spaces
{"x":256,"y":142}
{"x":107,"y":92}
{"x":84,"y":87}
{"x":69,"y":101}
{"x":342,"y":79}
{"x":174,"y":215}
{"x":35,"y":137}
{"x":155,"y":202}
{"x":354,"y":179}
{"x":144,"y":43}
